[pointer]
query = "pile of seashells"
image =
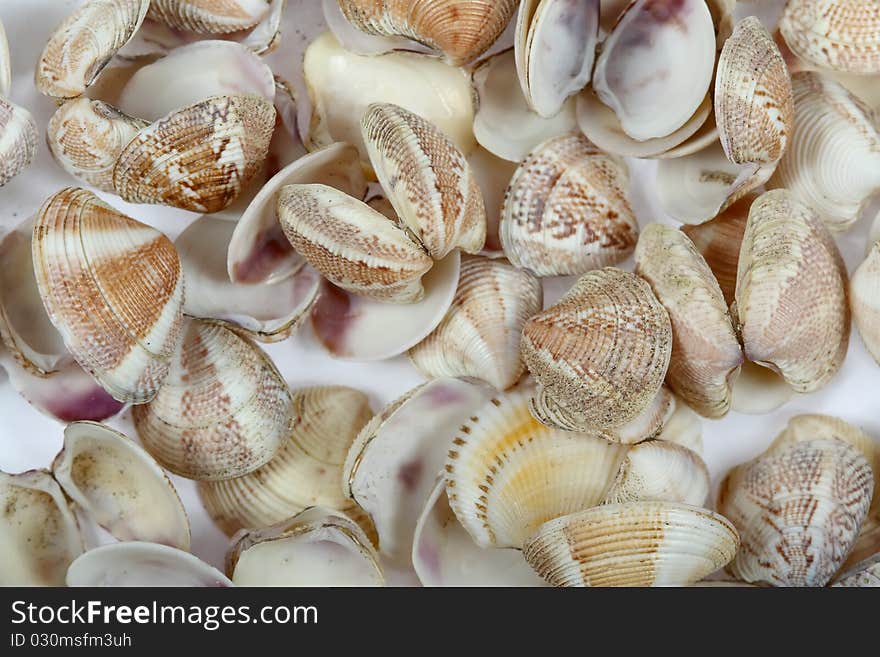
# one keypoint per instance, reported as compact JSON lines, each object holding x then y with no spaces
{"x":411,"y":201}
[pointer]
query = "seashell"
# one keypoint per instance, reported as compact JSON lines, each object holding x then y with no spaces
{"x":683,"y":427}
{"x":113,"y":289}
{"x":139,"y":564}
{"x":119,"y":486}
{"x":18,"y":140}
{"x":5,"y":63}
{"x":199,"y":157}
{"x":306,"y":471}
{"x":633,"y":544}
{"x":844,"y":36}
{"x":361,"y":43}
{"x":574,"y":349}
{"x":86,"y":138}
{"x":352,"y":245}
{"x":644,"y":426}
{"x":84,"y":43}
{"x":223,"y":411}
{"x":790,"y":261}
{"x":833,"y":164}
{"x":427,"y":179}
{"x":391,"y":468}
{"x":342,"y":85}
{"x":864,"y":299}
{"x":672,"y":46}
{"x":865,"y":574}
{"x":706,"y":354}
{"x":566,"y":210}
{"x":40,"y":535}
{"x":318,"y":547}
{"x":265,"y":36}
{"x":493,"y":175}
{"x":758,"y":390}
{"x":798,"y":509}
{"x":504,"y":124}
{"x":705,"y":136}
{"x":209,"y":16}
{"x":479,"y":336}
{"x":460,"y":29}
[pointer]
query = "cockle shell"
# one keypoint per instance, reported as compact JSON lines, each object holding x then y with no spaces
{"x":112,"y":287}
{"x":575,"y":348}
{"x":86,"y":138}
{"x":844,"y":36}
{"x":209,"y":16}
{"x":479,"y":336}
{"x":39,"y":536}
{"x":318,"y":547}
{"x":865,"y":574}
{"x":683,"y":427}
{"x":632,"y":544}
{"x":567,"y":211}
{"x":223,"y":411}
{"x":791,"y":293}
{"x":199,"y":157}
{"x":427,"y":179}
{"x":84,"y":43}
{"x":362,"y":43}
{"x":18,"y":140}
{"x":461,"y":29}
{"x":706,"y":354}
{"x":864,"y":296}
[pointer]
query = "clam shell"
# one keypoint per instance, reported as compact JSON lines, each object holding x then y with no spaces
{"x":493,"y":174}
{"x":632,"y":544}
{"x":199,"y":157}
{"x":112,"y":287}
{"x":361,"y":43}
{"x":660,"y":470}
{"x":865,"y":574}
{"x":566,"y":210}
{"x":864,"y":298}
{"x":479,"y":336}
{"x":209,"y":16}
{"x":18,"y":140}
{"x":84,"y":43}
{"x":5,"y":63}
{"x":224,"y":410}
{"x":758,"y":390}
{"x":574,"y":349}
{"x":706,"y":354}
{"x":791,"y":293}
{"x":683,"y":427}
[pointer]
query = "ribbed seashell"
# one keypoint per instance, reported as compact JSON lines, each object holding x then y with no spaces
{"x":833,"y":162}
{"x":5,"y":63}
{"x":798,"y":509}
{"x":223,"y":411}
{"x":84,"y":43}
{"x":644,"y":426}
{"x":844,"y":36}
{"x":119,"y":486}
{"x":864,"y":299}
{"x":632,"y":544}
{"x":209,"y":16}
{"x":566,"y":210}
{"x":18,"y":140}
{"x":865,"y":574}
{"x":86,"y":137}
{"x":461,"y":29}
{"x":479,"y":337}
{"x":791,"y":293}
{"x":706,"y":354}
{"x":306,"y":471}
{"x":199,"y":157}
{"x":40,"y":536}
{"x":427,"y":179}
{"x":575,"y":350}
{"x":352,"y":245}
{"x":754,"y":110}
{"x":660,"y":470}
{"x":113,"y":288}
{"x":318,"y":547}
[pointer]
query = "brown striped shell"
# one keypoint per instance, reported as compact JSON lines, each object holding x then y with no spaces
{"x":18,"y":140}
{"x":113,"y":288}
{"x":209,"y":16}
{"x":566,"y":210}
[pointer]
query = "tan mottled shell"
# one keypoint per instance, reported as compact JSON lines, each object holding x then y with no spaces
{"x":835,"y":34}
{"x":632,"y":544}
{"x":199,"y":157}
{"x":754,"y":110}
{"x":224,"y":410}
{"x":566,"y":210}
{"x":706,"y":354}
{"x":113,"y":288}
{"x":575,"y":350}
{"x":865,"y":574}
{"x":461,"y":29}
{"x":354,"y":246}
{"x":209,"y":16}
{"x":306,"y":471}
{"x":84,"y":43}
{"x":791,"y":293}
{"x":479,"y":336}
{"x":86,"y":137}
{"x":18,"y":140}
{"x":798,"y":509}
{"x":660,"y":470}
{"x":864,"y":297}
{"x":427,"y":179}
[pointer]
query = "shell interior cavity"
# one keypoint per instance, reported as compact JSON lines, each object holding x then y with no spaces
{"x":209,"y":16}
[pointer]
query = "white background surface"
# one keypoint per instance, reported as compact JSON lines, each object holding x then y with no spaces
{"x":31,"y":440}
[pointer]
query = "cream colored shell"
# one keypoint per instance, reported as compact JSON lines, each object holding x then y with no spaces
{"x":18,"y":140}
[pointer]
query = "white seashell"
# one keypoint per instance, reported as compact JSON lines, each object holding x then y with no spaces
{"x":5,"y":63}
{"x":493,"y":175}
{"x":18,"y":140}
{"x":683,"y":428}
{"x":865,"y":574}
{"x":758,"y":390}
{"x":864,"y":299}
{"x":209,"y":16}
